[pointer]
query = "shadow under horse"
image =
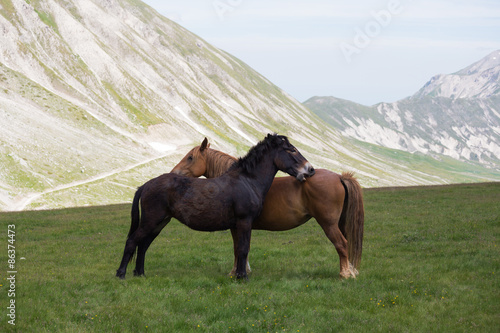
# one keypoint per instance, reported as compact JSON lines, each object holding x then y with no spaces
{"x":231,"y":201}
{"x":335,"y":201}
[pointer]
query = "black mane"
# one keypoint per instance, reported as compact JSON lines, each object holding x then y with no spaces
{"x":255,"y":154}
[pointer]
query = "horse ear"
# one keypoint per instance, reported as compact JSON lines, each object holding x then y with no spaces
{"x":204,"y":145}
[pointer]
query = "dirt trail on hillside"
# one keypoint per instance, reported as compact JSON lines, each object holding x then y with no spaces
{"x":21,"y":203}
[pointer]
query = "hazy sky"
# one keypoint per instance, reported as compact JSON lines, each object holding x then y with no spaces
{"x":366,"y":51}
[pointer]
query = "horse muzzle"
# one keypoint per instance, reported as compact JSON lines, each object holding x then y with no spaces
{"x":181,"y":172}
{"x":306,"y":171}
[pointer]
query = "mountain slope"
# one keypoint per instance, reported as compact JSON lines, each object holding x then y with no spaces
{"x":97,"y":96}
{"x":480,"y":80}
{"x":456,"y":115}
{"x":90,"y":86}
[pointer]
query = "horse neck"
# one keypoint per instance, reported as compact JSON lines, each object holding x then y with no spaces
{"x":262,"y":173}
{"x":217,"y":163}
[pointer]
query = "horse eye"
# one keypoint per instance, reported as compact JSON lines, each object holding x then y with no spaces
{"x":190,"y":158}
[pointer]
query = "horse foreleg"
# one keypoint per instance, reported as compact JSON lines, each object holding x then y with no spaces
{"x":338,"y":240}
{"x":243,"y":235}
{"x":235,"y":248}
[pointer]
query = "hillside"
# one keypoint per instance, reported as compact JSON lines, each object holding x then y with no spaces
{"x":455,"y":115}
{"x":97,"y":96}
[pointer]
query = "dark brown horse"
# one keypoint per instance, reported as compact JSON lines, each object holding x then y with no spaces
{"x":335,"y":201}
{"x":231,"y":201}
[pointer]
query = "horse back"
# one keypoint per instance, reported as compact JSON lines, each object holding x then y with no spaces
{"x":325,"y":194}
{"x":290,"y":203}
{"x":201,"y":204}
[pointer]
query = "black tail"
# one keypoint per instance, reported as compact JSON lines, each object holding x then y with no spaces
{"x":135,"y":215}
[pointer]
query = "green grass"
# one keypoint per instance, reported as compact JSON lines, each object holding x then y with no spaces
{"x":430,"y":264}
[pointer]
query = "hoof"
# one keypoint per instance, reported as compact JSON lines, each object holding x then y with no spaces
{"x":233,"y":271}
{"x":136,"y":273}
{"x":353,"y":270}
{"x":347,"y":276}
{"x":120,"y":275}
{"x":349,"y":272}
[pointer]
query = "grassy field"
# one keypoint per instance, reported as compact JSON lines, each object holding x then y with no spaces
{"x":431,"y":263}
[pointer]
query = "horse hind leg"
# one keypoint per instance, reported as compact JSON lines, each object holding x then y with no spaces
{"x":353,"y":270}
{"x":338,"y":240}
{"x":128,"y":253}
{"x":144,"y":245}
{"x":142,"y":238}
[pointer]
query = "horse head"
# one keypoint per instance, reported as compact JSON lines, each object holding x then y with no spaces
{"x":291,"y":161}
{"x":194,"y":164}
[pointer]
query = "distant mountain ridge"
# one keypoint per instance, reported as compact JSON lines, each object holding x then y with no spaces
{"x":479,"y":81}
{"x":98,"y":96}
{"x":456,"y":115}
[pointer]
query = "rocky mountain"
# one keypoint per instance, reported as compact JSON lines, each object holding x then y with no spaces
{"x":481,"y":80}
{"x":456,"y":115}
{"x":98,"y":96}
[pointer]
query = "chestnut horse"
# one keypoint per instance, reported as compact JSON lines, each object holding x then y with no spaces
{"x":231,"y":201}
{"x":335,"y":201}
